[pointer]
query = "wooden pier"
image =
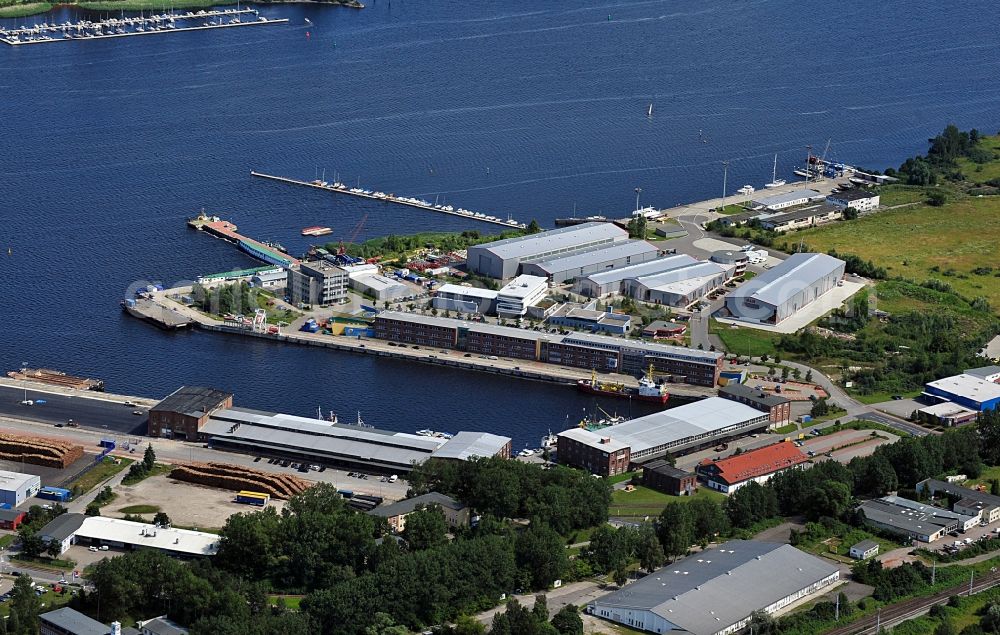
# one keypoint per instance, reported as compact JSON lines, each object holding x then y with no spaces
{"x":340,"y":188}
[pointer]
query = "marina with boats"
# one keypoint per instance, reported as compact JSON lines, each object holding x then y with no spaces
{"x":337,"y":186}
{"x":135,"y":25}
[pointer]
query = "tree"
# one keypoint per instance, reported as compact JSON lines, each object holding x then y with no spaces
{"x":53,"y":549}
{"x":383,"y":624}
{"x":830,"y":498}
{"x":149,"y":458}
{"x":709,"y":519}
{"x":533,"y":227}
{"x":32,"y":544}
{"x":161,"y":519}
{"x":540,"y":611}
{"x":936,"y":198}
{"x":785,"y":372}
{"x":675,"y":528}
{"x":809,"y":376}
{"x":540,"y":551}
{"x":820,"y":408}
{"x":24,"y":607}
{"x":568,"y":621}
{"x":468,"y":625}
{"x":649,"y":549}
{"x":426,"y":528}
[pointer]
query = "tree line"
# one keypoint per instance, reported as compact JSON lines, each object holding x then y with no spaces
{"x":350,"y":568}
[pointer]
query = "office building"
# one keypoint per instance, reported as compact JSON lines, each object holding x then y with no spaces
{"x":514,"y":298}
{"x":778,"y":408}
{"x":864,"y":550}
{"x":576,"y":317}
{"x":787,"y":199}
{"x":859,"y":199}
{"x":802,"y":218}
{"x":463,"y":299}
{"x":968,"y":501}
{"x":582,"y":350}
{"x":317,"y":282}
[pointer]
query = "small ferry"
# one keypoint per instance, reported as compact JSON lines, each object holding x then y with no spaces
{"x":316,"y":230}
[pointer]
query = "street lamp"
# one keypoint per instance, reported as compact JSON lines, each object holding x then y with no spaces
{"x":725,"y":176}
{"x":24,"y":365}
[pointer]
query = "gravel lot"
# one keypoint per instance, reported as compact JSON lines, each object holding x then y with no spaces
{"x":187,"y":504}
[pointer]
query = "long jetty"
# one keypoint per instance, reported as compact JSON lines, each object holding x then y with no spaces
{"x":392,"y":198}
{"x":133,"y":26}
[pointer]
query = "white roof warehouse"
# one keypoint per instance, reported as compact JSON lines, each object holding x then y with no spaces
{"x":716,"y":591}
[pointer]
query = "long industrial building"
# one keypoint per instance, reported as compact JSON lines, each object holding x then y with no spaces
{"x":338,"y":445}
{"x":599,"y":285}
{"x":779,"y":292}
{"x":612,"y":450}
{"x":716,"y":591}
{"x":581,"y":350}
{"x":568,"y":267}
{"x":679,"y":287}
{"x":502,"y":258}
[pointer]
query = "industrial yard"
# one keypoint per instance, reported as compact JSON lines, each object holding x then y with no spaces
{"x":187,"y":504}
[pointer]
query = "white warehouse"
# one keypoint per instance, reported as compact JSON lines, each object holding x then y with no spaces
{"x":15,"y":488}
{"x":502,"y":258}
{"x":598,"y":285}
{"x":784,"y":289}
{"x":566,"y":268}
{"x":716,"y":591}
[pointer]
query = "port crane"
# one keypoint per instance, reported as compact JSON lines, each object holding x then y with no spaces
{"x":342,"y":249}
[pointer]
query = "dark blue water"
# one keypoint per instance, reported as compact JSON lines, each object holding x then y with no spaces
{"x":521,"y":108}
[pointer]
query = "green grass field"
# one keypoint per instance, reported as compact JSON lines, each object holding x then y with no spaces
{"x":921,"y":242}
{"x":745,"y":341}
{"x":648,"y":502}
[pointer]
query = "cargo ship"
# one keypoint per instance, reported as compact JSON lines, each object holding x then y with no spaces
{"x":648,"y":389}
{"x":316,"y":230}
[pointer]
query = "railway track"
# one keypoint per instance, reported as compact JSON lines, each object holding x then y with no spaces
{"x":896,"y":613}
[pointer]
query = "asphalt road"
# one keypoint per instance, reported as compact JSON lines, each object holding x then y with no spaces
{"x":95,"y":414}
{"x":893,"y":422}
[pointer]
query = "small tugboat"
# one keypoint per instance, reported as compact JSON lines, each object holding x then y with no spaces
{"x":648,"y":389}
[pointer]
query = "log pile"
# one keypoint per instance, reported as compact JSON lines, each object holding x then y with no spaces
{"x":39,"y":451}
{"x":238,"y":478}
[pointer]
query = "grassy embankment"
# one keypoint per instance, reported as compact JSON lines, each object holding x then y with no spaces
{"x":97,"y":475}
{"x":22,"y":9}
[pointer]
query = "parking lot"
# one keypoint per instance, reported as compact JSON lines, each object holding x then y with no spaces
{"x":857,"y":442}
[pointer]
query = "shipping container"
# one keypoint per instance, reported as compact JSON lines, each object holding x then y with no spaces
{"x":55,"y":493}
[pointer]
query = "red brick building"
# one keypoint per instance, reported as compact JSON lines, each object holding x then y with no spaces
{"x":663,"y":477}
{"x":182,"y":414}
{"x":779,"y":409}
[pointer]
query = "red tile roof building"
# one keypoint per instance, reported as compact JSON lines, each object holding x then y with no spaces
{"x":729,"y":474}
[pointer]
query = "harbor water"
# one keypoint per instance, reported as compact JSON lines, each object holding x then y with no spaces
{"x":525,"y":109}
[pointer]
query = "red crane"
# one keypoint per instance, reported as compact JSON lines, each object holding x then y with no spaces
{"x":354,"y":234}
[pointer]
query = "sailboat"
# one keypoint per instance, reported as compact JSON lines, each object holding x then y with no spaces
{"x":775,"y":181}
{"x":649,"y":113}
